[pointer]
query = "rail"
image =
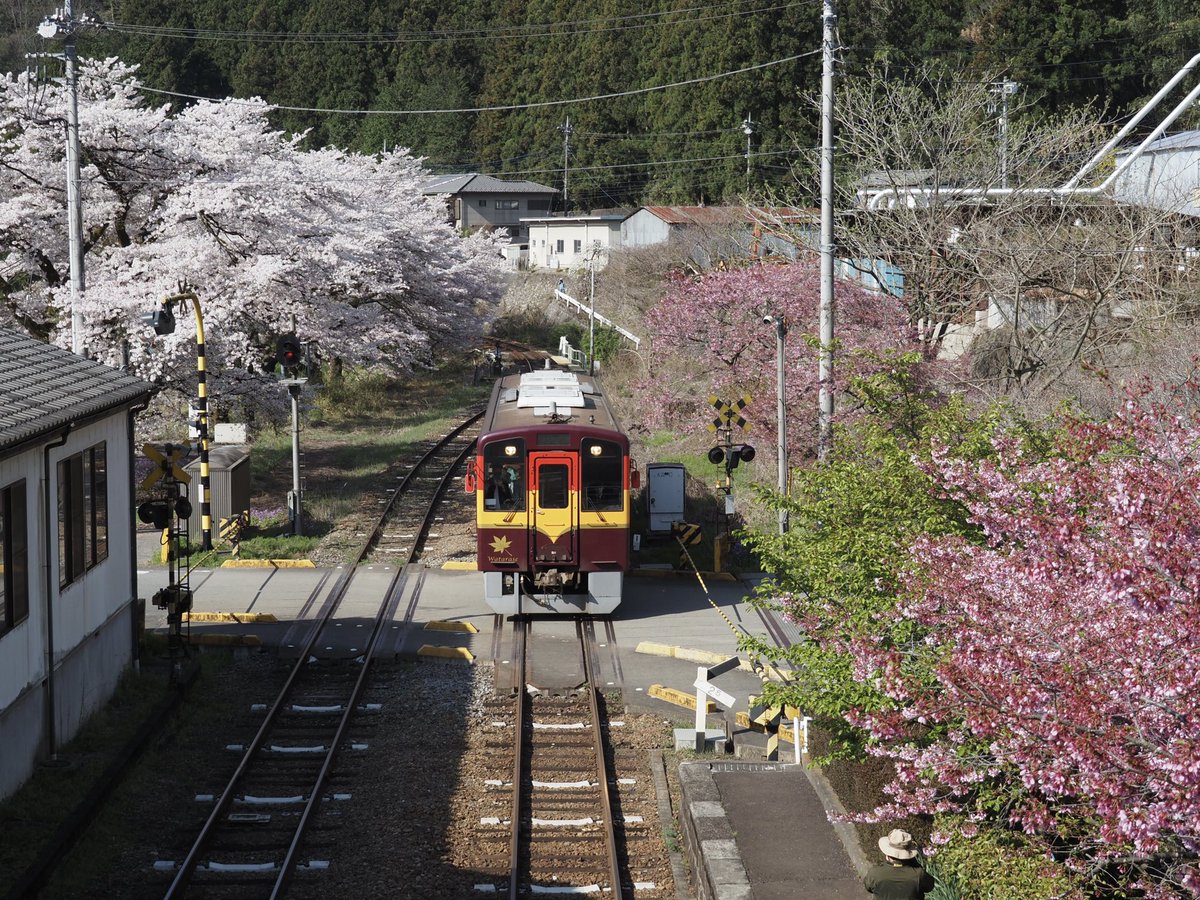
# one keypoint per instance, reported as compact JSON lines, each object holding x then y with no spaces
{"x":524,"y":778}
{"x":284,"y":870}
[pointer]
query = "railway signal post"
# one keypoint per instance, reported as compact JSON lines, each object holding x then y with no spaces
{"x":729,"y":417}
{"x":165,"y":513}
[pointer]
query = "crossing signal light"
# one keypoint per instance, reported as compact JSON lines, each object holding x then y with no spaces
{"x":736,"y":454}
{"x":156,"y":513}
{"x":162,"y":320}
{"x":288,"y":352}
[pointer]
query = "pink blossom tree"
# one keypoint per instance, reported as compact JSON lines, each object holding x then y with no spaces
{"x":707,"y":335}
{"x":340,"y":247}
{"x":1052,"y":678}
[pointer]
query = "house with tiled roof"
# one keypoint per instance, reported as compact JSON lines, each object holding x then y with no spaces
{"x":68,"y":589}
{"x":475,"y":201}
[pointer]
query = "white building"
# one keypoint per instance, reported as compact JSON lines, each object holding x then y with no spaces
{"x":566,"y":242}
{"x":68,"y":589}
{"x":1165,"y":176}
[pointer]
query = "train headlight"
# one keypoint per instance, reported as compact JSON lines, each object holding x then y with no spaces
{"x":595,"y":449}
{"x":510,"y":449}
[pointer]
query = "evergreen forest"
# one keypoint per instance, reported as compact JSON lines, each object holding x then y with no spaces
{"x":378,"y":70}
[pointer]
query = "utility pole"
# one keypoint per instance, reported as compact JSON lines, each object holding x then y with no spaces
{"x":64,"y":24}
{"x":825,"y":364}
{"x":566,"y":130}
{"x":592,"y":313}
{"x":1005,"y":89}
{"x":781,"y":330}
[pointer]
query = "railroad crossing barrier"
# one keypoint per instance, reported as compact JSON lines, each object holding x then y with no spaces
{"x":774,"y":722}
{"x":700,"y":736}
{"x":231,"y":531}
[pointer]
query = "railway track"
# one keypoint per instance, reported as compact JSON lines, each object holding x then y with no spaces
{"x":261,"y":830}
{"x":562,"y":809}
{"x":564,"y":829}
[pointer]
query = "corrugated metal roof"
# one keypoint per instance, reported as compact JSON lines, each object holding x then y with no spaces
{"x":43,"y":388}
{"x":473,"y":183}
{"x":1184,"y":140}
{"x":723,"y":215}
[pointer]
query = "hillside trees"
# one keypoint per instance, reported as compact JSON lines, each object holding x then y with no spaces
{"x":341,"y":247}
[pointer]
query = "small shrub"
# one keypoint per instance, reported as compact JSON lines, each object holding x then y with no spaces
{"x":997,"y":865}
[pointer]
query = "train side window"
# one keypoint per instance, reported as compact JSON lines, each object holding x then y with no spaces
{"x":552,"y":487}
{"x":601,"y":476}
{"x":503,"y":483}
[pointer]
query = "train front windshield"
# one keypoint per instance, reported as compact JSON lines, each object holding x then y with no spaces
{"x":603,"y":487}
{"x":504,"y":475}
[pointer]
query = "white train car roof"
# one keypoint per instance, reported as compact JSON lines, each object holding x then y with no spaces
{"x":548,"y":397}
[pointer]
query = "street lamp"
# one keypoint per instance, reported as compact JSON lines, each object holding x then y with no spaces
{"x":781,"y":329}
{"x":591,"y":258}
{"x":162,"y":320}
{"x":748,"y":130}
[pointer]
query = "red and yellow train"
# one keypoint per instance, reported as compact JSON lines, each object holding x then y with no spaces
{"x":551,"y":479}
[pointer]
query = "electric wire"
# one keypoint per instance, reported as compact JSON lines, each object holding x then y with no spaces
{"x":521,"y":32}
{"x":508,"y":107}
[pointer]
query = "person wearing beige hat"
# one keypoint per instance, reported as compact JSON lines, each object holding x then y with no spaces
{"x":901,"y":877}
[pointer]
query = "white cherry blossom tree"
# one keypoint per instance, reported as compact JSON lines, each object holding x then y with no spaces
{"x":339,"y":247}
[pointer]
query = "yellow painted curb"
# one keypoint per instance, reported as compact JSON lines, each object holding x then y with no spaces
{"x":226,"y":640}
{"x":461,"y":565}
{"x":703,"y":657}
{"x":679,"y":698}
{"x":784,"y":731}
{"x":669,"y":573}
{"x":228,"y":617}
{"x":446,"y":652}
{"x":268,"y":564}
{"x":452,"y":626}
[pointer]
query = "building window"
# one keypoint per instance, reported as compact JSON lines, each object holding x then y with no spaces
{"x":14,"y":553}
{"x":82,"y":512}
{"x":559,"y":246}
{"x":508,"y":204}
{"x":578,"y":246}
{"x":482,"y":202}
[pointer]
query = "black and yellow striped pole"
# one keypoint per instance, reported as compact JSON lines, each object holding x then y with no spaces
{"x":166,"y":327}
{"x":202,"y":426}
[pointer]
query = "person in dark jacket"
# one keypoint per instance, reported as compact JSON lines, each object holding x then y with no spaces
{"x":901,"y":877}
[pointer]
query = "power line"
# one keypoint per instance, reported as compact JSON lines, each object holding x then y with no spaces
{"x":543,"y":104}
{"x":537,"y":30}
{"x":389,"y":178}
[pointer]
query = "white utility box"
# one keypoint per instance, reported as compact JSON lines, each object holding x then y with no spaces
{"x":665,"y":493}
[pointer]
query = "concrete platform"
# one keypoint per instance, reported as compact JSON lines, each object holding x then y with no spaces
{"x":760,"y":830}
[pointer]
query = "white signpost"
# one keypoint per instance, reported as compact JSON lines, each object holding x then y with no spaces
{"x":705,"y":690}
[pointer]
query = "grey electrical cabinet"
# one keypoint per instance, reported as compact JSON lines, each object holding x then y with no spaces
{"x":229,"y":489}
{"x":665,"y":493}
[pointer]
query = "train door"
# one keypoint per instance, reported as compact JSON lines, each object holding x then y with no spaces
{"x":554,"y":477}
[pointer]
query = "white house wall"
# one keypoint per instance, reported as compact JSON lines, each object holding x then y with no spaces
{"x":1167,"y":180}
{"x":644,"y":229}
{"x":92,"y":618}
{"x":90,"y":601}
{"x":543,"y":238}
{"x":23,"y":650}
